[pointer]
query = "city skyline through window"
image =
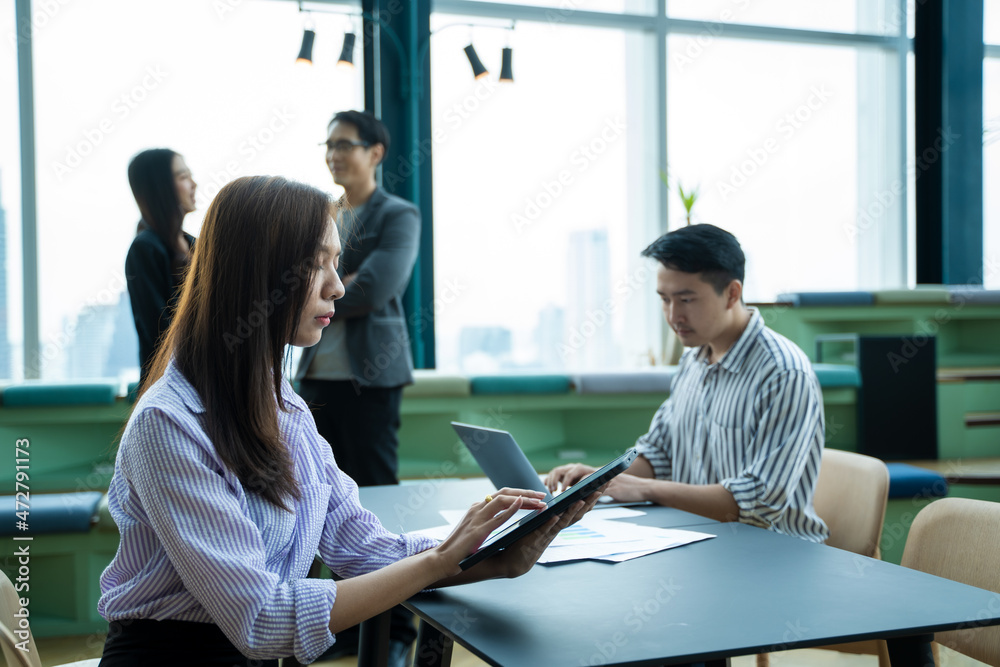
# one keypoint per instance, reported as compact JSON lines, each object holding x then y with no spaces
{"x":538,"y":225}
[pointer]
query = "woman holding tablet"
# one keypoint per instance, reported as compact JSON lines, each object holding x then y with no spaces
{"x":223,"y":491}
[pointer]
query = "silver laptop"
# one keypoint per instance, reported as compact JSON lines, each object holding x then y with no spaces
{"x":505,"y":463}
{"x":500,"y":457}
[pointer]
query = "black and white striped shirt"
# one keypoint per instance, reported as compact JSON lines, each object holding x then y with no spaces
{"x":752,"y":422}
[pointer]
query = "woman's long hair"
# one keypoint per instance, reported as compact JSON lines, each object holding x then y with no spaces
{"x":151,"y":177}
{"x":240,"y":305}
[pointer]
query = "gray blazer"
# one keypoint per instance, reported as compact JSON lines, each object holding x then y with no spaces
{"x":380,"y":247}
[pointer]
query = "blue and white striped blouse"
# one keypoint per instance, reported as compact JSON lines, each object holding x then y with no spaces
{"x":197,"y":546}
{"x":752,"y":422}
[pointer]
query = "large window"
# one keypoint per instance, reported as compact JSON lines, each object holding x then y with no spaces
{"x":991,"y":172}
{"x":543,"y":197}
{"x":792,"y":118}
{"x":991,"y":145}
{"x":796,"y":151}
{"x":11,"y":323}
{"x":216,"y":82}
{"x":991,"y":22}
{"x":795,"y":140}
{"x":827,"y":15}
{"x":562,"y":9}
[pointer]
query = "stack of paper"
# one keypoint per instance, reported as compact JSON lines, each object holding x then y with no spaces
{"x":597,"y":537}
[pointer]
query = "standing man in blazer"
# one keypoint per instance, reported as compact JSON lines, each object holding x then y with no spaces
{"x":353,"y":379}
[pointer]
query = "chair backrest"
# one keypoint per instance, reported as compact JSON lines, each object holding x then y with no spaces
{"x":9,"y":606}
{"x":959,"y":539}
{"x":850,"y":497}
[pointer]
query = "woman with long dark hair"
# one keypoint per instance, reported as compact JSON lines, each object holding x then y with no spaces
{"x":223,"y":490}
{"x":165,"y":192}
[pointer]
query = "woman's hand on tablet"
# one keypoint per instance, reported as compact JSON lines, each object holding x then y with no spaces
{"x":518,"y":558}
{"x":368,"y":594}
{"x":482,"y":519}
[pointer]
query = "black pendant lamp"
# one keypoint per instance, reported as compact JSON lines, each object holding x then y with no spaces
{"x":347,"y":53}
{"x":306,"y":52}
{"x":506,"y":72}
{"x":478,"y":69}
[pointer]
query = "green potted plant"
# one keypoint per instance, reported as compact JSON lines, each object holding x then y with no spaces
{"x":672,"y":347}
{"x":687,"y":198}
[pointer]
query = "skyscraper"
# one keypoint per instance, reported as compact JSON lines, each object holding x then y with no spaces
{"x":549,"y":336}
{"x":90,"y":342}
{"x":588,"y":341}
{"x":484,"y":348}
{"x":123,"y":357}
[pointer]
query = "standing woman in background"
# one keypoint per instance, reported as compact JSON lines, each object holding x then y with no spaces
{"x":154,"y":268}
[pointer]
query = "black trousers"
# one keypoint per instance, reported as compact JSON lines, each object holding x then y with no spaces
{"x":362,"y":426}
{"x":146,"y":643}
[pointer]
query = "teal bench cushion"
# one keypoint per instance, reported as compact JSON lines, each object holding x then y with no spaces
{"x":36,"y":394}
{"x":51,"y":513}
{"x":520,"y":384}
{"x":908,"y":481}
{"x":831,"y":376}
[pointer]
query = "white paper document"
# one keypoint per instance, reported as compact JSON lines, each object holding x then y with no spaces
{"x":614,"y":541}
{"x":595,"y":537}
{"x":614,"y":513}
{"x":454,"y":516}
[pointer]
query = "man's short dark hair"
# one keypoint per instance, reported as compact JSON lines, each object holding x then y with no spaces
{"x":704,"y":249}
{"x":370,"y":129}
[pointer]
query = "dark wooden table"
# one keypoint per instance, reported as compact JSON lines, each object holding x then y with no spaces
{"x":746,"y":591}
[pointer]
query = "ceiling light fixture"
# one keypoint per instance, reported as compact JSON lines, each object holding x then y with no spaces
{"x":478,"y":68}
{"x":347,"y":52}
{"x":306,"y":51}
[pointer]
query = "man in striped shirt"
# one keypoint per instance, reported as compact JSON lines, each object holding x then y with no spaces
{"x":741,"y":436}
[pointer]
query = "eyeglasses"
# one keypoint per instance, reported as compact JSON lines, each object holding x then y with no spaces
{"x":344,"y":145}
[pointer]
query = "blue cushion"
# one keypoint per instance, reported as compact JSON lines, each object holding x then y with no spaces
{"x":520,"y":384}
{"x":907,"y":481}
{"x":828,"y":298}
{"x":35,"y":394}
{"x":832,"y":376}
{"x":51,"y":513}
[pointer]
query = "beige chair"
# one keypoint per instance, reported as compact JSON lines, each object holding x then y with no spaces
{"x":851,"y":494}
{"x":9,"y":606}
{"x":959,"y":539}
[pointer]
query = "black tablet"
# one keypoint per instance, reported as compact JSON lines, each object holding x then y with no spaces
{"x":559,"y":504}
